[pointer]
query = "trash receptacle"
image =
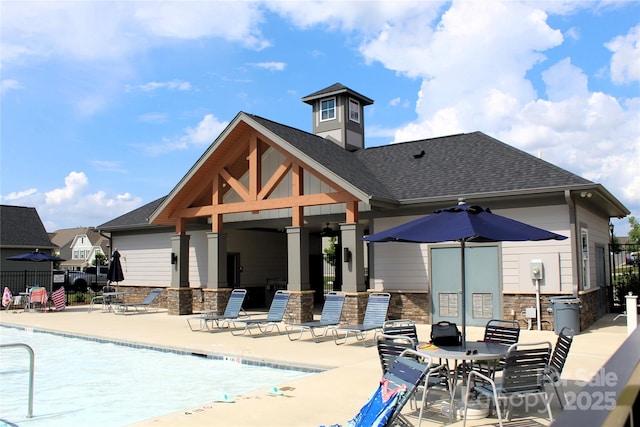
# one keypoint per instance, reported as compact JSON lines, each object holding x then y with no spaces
{"x":566,"y":313}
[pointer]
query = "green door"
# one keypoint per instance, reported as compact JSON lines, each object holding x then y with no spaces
{"x":482,"y":285}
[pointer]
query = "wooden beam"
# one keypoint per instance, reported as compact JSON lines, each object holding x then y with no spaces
{"x":352,"y":212}
{"x":236,"y":185}
{"x":275,"y":179}
{"x":254,"y":167}
{"x":261,"y":205}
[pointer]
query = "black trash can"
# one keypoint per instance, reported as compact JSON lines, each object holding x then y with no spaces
{"x":566,"y":313}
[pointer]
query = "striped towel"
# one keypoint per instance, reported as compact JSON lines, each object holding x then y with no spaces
{"x":58,"y":298}
{"x":38,"y":294}
{"x":6,"y":297}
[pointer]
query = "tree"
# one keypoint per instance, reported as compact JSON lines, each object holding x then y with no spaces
{"x":634,"y":233}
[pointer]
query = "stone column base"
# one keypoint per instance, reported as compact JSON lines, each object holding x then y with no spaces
{"x":179,"y":301}
{"x":355,"y":304}
{"x":413,"y":305}
{"x":300,"y":307}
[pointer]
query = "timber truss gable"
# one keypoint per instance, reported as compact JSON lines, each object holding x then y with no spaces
{"x":246,"y":171}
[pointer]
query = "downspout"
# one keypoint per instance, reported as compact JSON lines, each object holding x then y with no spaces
{"x":110,"y":242}
{"x":575,"y":244}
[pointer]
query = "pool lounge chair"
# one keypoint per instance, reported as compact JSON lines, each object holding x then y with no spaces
{"x":149,"y":302}
{"x":331,"y":313}
{"x":231,"y":312}
{"x":374,"y":318}
{"x":267,"y":324}
{"x":397,"y":386}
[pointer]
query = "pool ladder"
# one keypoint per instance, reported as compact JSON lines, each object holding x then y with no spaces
{"x":31,"y":364}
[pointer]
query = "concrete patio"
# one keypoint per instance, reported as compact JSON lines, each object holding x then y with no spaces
{"x":333,"y":396}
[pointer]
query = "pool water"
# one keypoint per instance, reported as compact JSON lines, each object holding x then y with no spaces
{"x":80,"y":382}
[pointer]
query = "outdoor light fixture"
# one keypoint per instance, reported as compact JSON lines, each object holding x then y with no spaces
{"x":346,"y":257}
{"x":174,"y":258}
{"x":585,"y":194}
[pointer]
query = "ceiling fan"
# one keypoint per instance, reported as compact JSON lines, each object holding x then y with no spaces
{"x":328,"y":232}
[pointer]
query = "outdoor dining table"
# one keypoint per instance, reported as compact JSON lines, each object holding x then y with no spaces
{"x":470,"y":351}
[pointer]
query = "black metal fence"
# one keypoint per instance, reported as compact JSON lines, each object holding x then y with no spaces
{"x":625,"y":273}
{"x":20,"y":281}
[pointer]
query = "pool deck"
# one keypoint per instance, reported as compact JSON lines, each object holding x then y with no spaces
{"x":330,"y":397}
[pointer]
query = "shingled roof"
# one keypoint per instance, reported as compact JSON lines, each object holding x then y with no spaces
{"x":471,"y":163}
{"x":445,"y":167}
{"x":21,"y":227}
{"x":134,"y":219}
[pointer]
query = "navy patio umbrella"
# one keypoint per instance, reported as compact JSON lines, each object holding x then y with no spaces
{"x":463,"y":223}
{"x":115,"y":268}
{"x":36,"y":256}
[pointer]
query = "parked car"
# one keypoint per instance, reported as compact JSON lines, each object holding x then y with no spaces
{"x":81,"y":281}
{"x":633,"y":259}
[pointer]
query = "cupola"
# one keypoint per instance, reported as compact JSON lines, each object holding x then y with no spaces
{"x":338,"y":115}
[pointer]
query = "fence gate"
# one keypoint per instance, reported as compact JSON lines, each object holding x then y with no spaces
{"x":332,"y":275}
{"x":625,"y":274}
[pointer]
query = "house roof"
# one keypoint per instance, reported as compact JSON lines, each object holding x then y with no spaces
{"x":463,"y":164}
{"x":336,"y":89}
{"x":21,"y":226}
{"x":135,"y":219}
{"x":428,"y":170}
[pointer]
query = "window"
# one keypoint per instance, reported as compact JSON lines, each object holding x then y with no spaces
{"x":328,"y":109}
{"x":354,"y":110}
{"x":586,"y":279}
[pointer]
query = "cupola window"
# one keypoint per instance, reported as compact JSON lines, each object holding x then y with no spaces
{"x":354,"y":110}
{"x":328,"y":109}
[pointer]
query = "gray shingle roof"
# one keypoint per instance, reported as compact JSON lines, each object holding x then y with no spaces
{"x":335,"y":89}
{"x":460,"y":164}
{"x":21,"y":226}
{"x":449,"y":166}
{"x":136,"y":218}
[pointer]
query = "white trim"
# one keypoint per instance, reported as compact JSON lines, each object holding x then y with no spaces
{"x":335,"y":106}
{"x":357,"y":104}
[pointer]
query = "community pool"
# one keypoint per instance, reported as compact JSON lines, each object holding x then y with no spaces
{"x":83,"y":382}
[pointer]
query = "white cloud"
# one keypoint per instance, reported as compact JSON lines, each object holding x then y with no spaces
{"x":625,"y":65}
{"x":79,"y":30}
{"x":174,"y":84}
{"x":8,"y":84}
{"x":204,"y":133}
{"x":73,"y":204}
{"x":564,"y":80}
{"x":271,"y":66}
{"x":19,"y":195}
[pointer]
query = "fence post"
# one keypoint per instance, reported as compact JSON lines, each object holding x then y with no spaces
{"x":632,"y":312}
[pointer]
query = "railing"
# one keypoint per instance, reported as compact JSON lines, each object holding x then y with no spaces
{"x":31,"y":369}
{"x":612,"y":397}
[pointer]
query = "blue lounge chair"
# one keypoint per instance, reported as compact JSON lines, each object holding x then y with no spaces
{"x":267,"y":324}
{"x":231,"y":312}
{"x":374,"y":318}
{"x":398,"y":385}
{"x":149,"y":302}
{"x":331,"y":314}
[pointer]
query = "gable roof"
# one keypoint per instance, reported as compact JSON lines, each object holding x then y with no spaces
{"x":434,"y":169}
{"x":22,"y":227}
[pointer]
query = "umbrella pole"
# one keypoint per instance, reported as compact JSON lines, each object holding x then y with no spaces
{"x":464,"y":295}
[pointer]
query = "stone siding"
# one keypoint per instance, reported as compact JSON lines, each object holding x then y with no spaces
{"x":413,"y":305}
{"x":300,"y":307}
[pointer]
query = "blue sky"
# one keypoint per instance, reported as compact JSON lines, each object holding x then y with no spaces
{"x":106,"y":105}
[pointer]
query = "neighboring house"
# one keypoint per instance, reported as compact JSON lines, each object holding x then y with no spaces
{"x":254,"y":208}
{"x":79,"y":247}
{"x":22,"y":231}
